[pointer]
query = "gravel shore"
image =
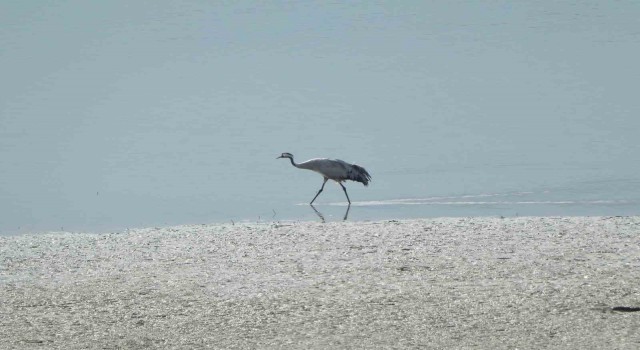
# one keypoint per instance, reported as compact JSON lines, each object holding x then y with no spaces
{"x":485,"y":283}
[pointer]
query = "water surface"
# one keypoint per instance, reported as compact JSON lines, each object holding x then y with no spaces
{"x":122,"y":115}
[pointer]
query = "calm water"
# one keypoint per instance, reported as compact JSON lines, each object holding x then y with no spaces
{"x":174,"y":182}
{"x":127,"y":116}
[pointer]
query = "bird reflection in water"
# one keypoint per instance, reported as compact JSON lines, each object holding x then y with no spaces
{"x":346,"y":213}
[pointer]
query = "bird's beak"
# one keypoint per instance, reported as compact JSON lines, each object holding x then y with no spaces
{"x":279,"y":157}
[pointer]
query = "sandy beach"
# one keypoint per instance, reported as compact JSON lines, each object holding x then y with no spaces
{"x":482,"y":283}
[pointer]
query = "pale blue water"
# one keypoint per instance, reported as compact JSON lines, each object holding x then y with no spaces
{"x":123,"y":115}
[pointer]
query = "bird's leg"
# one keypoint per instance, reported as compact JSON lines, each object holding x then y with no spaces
{"x":345,"y":192}
{"x":321,"y":188}
{"x":346,"y":214}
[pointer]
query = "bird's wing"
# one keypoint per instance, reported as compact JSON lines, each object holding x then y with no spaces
{"x":355,"y":172}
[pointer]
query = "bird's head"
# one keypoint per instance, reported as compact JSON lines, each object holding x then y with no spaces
{"x":286,"y":155}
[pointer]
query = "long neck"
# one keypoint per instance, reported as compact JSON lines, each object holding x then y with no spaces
{"x":292,"y":162}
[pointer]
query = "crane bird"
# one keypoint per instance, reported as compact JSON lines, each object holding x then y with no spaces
{"x":332,"y":169}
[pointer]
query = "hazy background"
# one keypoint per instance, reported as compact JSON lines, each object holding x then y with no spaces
{"x":117,"y":114}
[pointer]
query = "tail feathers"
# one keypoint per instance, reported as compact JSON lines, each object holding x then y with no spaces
{"x":358,"y":173}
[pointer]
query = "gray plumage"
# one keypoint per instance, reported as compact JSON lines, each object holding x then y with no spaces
{"x":333,"y":169}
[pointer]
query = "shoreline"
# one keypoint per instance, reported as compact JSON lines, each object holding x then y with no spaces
{"x":526,"y":282}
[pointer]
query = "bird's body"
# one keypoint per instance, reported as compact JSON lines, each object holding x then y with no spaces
{"x":333,"y":169}
{"x":337,"y":170}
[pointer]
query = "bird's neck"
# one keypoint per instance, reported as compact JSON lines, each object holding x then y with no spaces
{"x":293,"y":163}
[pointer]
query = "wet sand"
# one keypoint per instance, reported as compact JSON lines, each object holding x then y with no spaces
{"x":440,"y":283}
